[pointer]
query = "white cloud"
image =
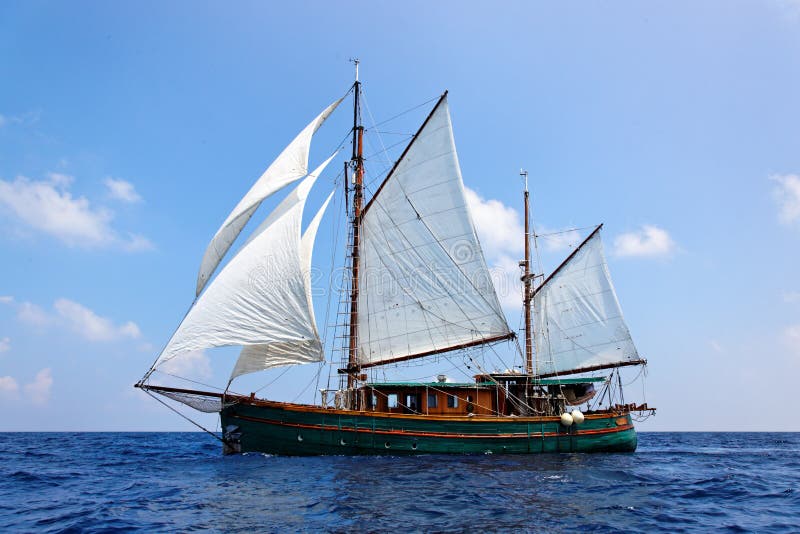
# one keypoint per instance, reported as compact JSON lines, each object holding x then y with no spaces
{"x":9,"y":389}
{"x":92,"y":326}
{"x":78,"y":318}
{"x":122,"y":190}
{"x":60,"y":180}
{"x":791,"y":297}
{"x":5,"y":344}
{"x":502,"y":237}
{"x":791,"y":337}
{"x":787,"y":196}
{"x":502,"y":234}
{"x":32,"y":314}
{"x":38,"y":391}
{"x":499,"y":226}
{"x":137,"y":243}
{"x":24,"y":119}
{"x":6,"y":299}
{"x":505,"y":273}
{"x":649,"y":241}
{"x":49,"y":207}
{"x":188,"y":365}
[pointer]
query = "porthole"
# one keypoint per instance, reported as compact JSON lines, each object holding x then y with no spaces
{"x":342,"y":442}
{"x":299,"y":437}
{"x":414,"y":446}
{"x":387,"y":445}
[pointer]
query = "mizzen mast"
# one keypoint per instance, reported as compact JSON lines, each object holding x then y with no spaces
{"x":357,"y":161}
{"x":527,"y":278}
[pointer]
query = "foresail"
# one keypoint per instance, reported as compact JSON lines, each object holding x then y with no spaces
{"x":256,"y":358}
{"x":423,"y":284}
{"x":289,"y":166}
{"x":259,"y":300}
{"x":579,"y":323}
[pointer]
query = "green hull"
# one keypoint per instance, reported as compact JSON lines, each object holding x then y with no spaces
{"x":285,"y":429}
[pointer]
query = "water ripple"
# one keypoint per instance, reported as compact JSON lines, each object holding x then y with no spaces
{"x":177,"y":482}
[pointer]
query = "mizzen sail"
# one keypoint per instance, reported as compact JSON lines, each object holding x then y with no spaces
{"x":579,"y":324}
{"x":424,"y":286}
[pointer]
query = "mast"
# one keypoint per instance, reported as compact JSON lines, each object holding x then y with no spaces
{"x":358,"y":182}
{"x":526,"y":280}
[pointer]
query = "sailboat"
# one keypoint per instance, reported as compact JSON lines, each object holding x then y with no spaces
{"x":418,"y":287}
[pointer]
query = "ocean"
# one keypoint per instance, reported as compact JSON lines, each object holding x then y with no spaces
{"x":178,"y":482}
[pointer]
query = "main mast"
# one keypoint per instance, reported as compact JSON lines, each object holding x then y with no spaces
{"x":526,"y":280}
{"x":358,"y":181}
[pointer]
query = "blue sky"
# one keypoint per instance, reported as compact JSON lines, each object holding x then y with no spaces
{"x":128,"y":131}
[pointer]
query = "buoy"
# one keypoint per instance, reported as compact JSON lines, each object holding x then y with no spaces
{"x":577,"y":417}
{"x":566,"y":419}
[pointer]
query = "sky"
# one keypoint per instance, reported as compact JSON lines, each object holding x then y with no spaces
{"x":129,"y":130}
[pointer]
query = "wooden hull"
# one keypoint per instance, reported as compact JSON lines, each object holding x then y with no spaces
{"x":302,"y":430}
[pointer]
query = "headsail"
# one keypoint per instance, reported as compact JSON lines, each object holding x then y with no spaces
{"x":579,"y":323}
{"x":423,"y":284}
{"x":289,"y":166}
{"x":260,"y":299}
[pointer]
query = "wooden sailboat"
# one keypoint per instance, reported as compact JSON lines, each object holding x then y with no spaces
{"x":418,"y":287}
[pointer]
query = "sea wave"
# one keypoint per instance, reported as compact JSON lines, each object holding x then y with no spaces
{"x":174,"y":482}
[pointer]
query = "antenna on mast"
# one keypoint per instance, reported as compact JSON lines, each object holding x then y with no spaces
{"x":355,"y":61}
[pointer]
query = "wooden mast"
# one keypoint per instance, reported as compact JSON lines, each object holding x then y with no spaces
{"x":358,"y":161}
{"x":526,"y":280}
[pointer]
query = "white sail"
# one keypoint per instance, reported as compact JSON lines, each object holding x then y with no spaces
{"x":259,"y":300}
{"x":289,"y":166}
{"x":423,"y":281}
{"x":579,"y":322}
{"x":254,"y":358}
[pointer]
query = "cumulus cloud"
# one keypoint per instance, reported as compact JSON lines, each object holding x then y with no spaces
{"x":501,"y":231}
{"x":38,"y":391}
{"x":5,"y":344}
{"x":6,"y":299}
{"x":49,"y":207}
{"x":194,"y":365}
{"x":501,"y":234}
{"x":787,"y":195}
{"x":78,"y":318}
{"x":649,"y":241}
{"x":9,"y":389}
{"x":91,"y":326}
{"x":122,"y":190}
{"x":32,"y":314}
{"x":499,"y":227}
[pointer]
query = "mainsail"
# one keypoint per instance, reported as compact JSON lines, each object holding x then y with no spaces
{"x":423,"y":283}
{"x":289,"y":166}
{"x":261,"y":299}
{"x":579,"y":323}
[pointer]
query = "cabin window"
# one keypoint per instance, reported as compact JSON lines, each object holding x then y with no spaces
{"x":452,"y":401}
{"x":392,"y":399}
{"x":374,"y":400}
{"x":412,"y":402}
{"x":433,"y":400}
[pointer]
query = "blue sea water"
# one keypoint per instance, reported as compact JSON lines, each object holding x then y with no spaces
{"x":163,"y":482}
